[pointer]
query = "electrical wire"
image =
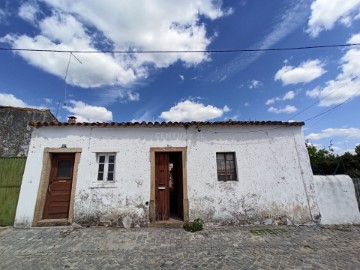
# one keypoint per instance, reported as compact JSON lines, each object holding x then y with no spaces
{"x":198,"y":51}
{"x":329,"y":110}
{"x":183,"y":51}
{"x":268,"y":129}
{"x":65,"y":83}
{"x":66,"y":73}
{"x":325,"y":96}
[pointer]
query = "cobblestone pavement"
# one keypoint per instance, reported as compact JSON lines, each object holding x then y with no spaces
{"x":306,"y":247}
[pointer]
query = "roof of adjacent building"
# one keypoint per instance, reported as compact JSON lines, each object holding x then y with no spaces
{"x":167,"y":124}
{"x":26,"y":109}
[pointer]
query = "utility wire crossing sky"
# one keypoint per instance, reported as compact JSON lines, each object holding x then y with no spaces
{"x":186,"y":51}
{"x":187,"y":61}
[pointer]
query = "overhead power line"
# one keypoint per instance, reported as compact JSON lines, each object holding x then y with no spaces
{"x":183,"y":51}
{"x":324,"y":96}
{"x":268,"y":129}
{"x":329,"y":110}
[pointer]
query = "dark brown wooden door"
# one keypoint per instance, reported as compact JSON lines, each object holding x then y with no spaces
{"x":162,"y":200}
{"x":59,"y":190}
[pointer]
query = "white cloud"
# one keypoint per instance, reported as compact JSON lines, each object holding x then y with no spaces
{"x":254,"y":84}
{"x":28,"y":12}
{"x":313,"y":93}
{"x":234,"y":117}
{"x":189,"y":110}
{"x":347,"y":83}
{"x":349,"y":133}
{"x":120,"y":26}
{"x":288,"y":96}
{"x":271,"y":101}
{"x":222,"y":78}
{"x":64,"y":32}
{"x":11,"y":100}
{"x":2,"y":15}
{"x":246,"y":104}
{"x":355,"y":39}
{"x":286,"y":109}
{"x":306,"y":72}
{"x":88,"y":113}
{"x":48,"y":100}
{"x":109,"y":96}
{"x":226,"y":109}
{"x":182,"y":77}
{"x":325,"y":13}
{"x":133,"y":96}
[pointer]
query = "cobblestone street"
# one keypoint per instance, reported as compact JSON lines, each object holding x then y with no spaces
{"x":163,"y":248}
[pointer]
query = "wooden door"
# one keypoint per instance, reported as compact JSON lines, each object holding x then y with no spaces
{"x":59,"y":190}
{"x":162,"y":195}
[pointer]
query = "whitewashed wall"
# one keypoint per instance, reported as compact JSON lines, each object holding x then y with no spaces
{"x":337,"y":199}
{"x":275,"y":178}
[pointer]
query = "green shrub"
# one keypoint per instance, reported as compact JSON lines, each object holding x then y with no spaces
{"x":196,"y":225}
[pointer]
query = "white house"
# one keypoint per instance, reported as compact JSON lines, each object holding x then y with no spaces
{"x":222,"y":172}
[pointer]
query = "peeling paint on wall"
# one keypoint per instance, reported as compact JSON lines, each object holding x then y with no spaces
{"x":275,"y":182}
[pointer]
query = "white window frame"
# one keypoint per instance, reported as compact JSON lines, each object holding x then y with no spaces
{"x":106,"y":167}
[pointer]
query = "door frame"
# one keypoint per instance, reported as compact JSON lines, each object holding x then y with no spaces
{"x":44,"y":183}
{"x":183,"y":151}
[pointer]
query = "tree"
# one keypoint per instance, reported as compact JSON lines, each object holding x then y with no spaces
{"x":357,"y":150}
{"x":325,"y":162}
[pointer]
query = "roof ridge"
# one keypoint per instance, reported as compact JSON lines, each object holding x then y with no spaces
{"x":24,"y":108}
{"x":168,"y":124}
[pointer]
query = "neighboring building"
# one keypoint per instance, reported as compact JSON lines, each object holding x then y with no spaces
{"x":15,"y":133}
{"x":135,"y":173}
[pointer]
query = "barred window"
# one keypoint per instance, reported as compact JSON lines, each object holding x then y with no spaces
{"x":106,"y":167}
{"x":226,"y":166}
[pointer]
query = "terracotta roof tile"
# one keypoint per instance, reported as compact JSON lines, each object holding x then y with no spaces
{"x":168,"y":124}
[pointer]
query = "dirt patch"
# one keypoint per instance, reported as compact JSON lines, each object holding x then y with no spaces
{"x":307,"y":248}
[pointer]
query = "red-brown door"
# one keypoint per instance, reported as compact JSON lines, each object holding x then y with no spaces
{"x":59,"y":190}
{"x":162,"y":200}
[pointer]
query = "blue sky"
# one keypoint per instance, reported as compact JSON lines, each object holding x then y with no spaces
{"x":187,"y":86}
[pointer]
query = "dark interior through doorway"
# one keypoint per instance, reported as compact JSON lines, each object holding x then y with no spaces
{"x":176,"y":185}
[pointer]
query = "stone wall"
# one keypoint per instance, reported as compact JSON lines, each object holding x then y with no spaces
{"x":15,"y":133}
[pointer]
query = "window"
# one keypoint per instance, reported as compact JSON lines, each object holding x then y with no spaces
{"x":64,"y":169}
{"x":106,"y":169}
{"x":226,"y":168}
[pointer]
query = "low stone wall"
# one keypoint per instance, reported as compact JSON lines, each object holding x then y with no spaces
{"x":336,"y":199}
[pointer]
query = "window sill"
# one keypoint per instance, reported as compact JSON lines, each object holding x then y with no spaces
{"x":103,"y":185}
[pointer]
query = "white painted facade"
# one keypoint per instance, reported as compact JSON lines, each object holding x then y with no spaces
{"x":337,"y":200}
{"x":275,"y":180}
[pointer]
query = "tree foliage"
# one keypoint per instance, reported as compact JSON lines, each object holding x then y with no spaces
{"x":325,"y":162}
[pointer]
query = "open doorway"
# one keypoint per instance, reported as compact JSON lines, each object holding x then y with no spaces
{"x":176,"y":189}
{"x":169,"y":195}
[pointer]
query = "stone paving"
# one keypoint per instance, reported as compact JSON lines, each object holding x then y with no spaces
{"x":304,"y":247}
